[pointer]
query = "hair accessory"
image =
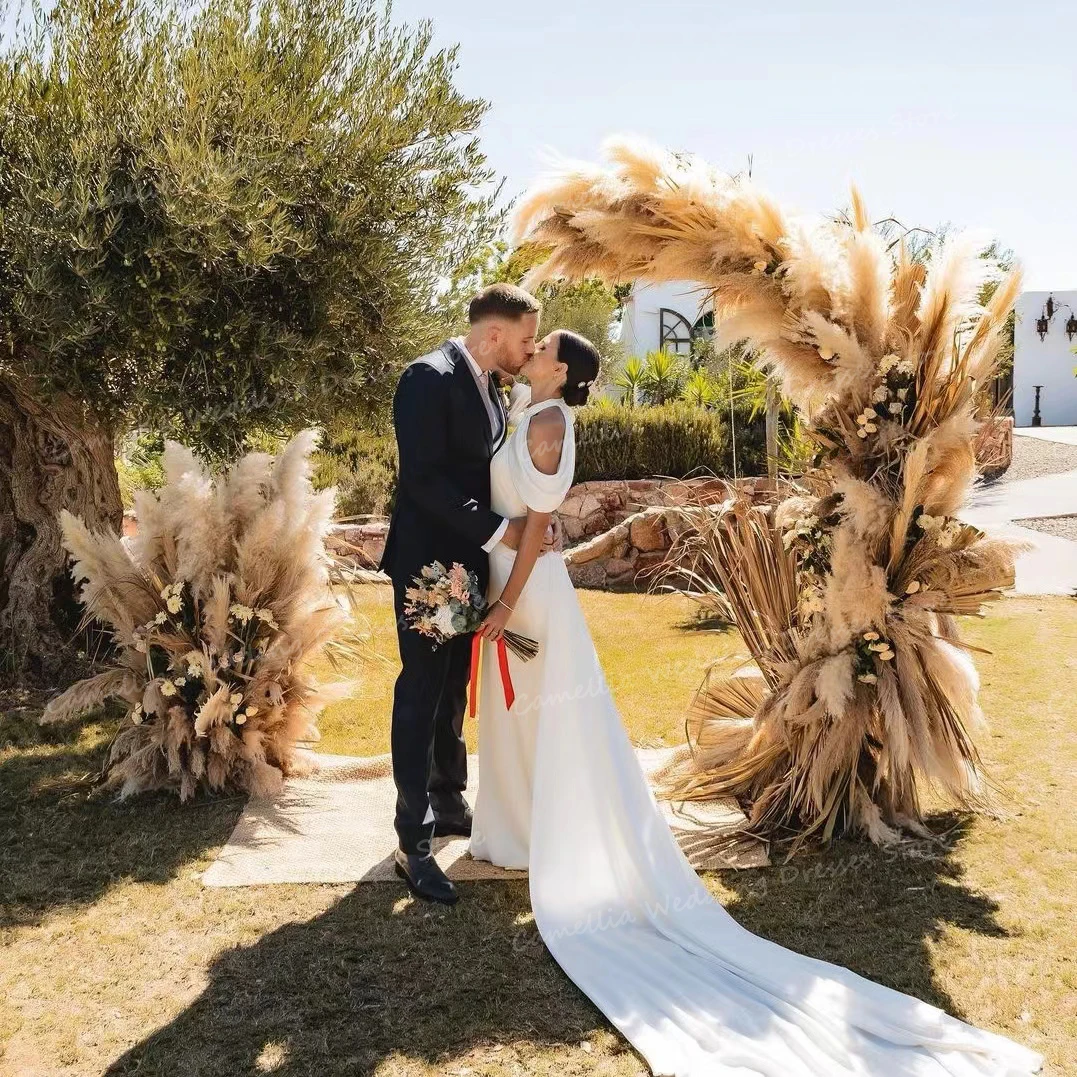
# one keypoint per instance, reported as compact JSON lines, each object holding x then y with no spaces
{"x":582,"y":384}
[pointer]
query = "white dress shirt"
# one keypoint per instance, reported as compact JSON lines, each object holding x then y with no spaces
{"x":482,"y":379}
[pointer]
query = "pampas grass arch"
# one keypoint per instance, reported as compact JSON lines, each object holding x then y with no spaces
{"x":846,"y":594}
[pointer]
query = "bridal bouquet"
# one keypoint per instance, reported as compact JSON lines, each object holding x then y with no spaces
{"x":446,"y":602}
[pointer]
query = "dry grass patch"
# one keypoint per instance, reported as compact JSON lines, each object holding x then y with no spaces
{"x":116,"y":960}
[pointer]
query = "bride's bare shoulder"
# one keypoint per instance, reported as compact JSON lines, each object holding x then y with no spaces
{"x":545,"y":439}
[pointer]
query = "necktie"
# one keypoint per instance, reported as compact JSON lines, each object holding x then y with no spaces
{"x":491,"y":407}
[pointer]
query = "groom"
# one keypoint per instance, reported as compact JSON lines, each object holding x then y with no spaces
{"x":449,"y":420}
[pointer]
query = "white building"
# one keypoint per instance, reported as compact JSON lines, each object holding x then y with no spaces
{"x":1045,"y":335}
{"x":670,"y":315}
{"x":665,"y":316}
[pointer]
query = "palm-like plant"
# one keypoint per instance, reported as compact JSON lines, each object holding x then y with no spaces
{"x":701,"y":389}
{"x":630,"y":379}
{"x":663,"y":376}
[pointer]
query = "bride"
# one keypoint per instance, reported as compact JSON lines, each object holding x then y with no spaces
{"x":616,"y":902}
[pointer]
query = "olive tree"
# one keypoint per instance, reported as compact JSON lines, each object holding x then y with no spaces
{"x":214,"y":218}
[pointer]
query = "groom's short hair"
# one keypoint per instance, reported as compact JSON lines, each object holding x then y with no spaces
{"x":502,"y":301}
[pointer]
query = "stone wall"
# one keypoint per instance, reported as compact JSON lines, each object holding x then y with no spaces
{"x":616,"y":532}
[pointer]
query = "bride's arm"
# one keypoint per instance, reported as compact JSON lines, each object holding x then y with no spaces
{"x":545,"y":438}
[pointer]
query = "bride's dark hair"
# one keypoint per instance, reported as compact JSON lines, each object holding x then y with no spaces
{"x":583,"y":360}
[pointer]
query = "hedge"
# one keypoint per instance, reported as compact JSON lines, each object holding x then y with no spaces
{"x":678,"y":440}
{"x":612,"y":442}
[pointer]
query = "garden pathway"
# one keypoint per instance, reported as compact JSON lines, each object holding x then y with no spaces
{"x":1041,"y":512}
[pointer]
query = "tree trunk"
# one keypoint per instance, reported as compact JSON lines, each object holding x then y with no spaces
{"x":53,"y":456}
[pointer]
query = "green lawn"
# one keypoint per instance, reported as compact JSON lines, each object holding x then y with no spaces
{"x":114,"y":958}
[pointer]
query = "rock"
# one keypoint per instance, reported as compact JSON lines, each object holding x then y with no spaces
{"x":570,"y":507}
{"x":596,"y":523}
{"x":618,"y":566}
{"x":589,"y":574}
{"x":647,"y":530}
{"x":588,"y":505}
{"x":598,"y":547}
{"x":648,"y":563}
{"x":573,"y":528}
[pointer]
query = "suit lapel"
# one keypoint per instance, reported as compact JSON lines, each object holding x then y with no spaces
{"x":471,"y":390}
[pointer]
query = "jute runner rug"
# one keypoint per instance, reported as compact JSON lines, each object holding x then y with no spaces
{"x":336,"y":826}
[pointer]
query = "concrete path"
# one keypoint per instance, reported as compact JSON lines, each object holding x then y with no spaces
{"x":1049,"y":567}
{"x":1065,"y":434}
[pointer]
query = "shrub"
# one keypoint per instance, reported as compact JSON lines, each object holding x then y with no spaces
{"x":677,"y":440}
{"x":362,"y":465}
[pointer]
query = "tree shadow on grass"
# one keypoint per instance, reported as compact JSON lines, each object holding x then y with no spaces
{"x":381,"y":977}
{"x":377,"y":976}
{"x":64,"y":842}
{"x":874,"y":910}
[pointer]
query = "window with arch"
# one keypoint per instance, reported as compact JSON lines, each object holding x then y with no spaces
{"x":674,"y":332}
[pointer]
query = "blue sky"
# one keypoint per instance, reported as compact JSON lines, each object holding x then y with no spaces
{"x":945,"y":111}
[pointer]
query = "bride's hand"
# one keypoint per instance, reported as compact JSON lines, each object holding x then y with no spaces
{"x":493,"y":627}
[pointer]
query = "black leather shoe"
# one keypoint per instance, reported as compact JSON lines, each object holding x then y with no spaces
{"x":424,"y":878}
{"x":454,"y":824}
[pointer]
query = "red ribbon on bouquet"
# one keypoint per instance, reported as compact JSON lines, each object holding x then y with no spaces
{"x":503,"y":665}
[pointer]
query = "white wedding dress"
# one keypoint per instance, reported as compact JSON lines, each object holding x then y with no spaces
{"x":561,"y":793}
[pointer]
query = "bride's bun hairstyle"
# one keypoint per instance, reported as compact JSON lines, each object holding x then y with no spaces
{"x":582,"y":359}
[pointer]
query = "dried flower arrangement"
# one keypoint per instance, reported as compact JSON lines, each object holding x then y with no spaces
{"x":216,"y":606}
{"x":847,"y":593}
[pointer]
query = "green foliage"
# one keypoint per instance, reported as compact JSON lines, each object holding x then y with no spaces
{"x":657,"y":379}
{"x":677,"y":440}
{"x":138,"y":464}
{"x":701,"y":389}
{"x":362,"y":465}
{"x":630,"y":379}
{"x":224,"y":217}
{"x":663,"y":376}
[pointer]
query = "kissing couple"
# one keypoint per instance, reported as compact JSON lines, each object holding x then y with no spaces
{"x":562,"y":793}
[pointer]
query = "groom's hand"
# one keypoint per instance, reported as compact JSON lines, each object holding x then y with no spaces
{"x":552,"y":542}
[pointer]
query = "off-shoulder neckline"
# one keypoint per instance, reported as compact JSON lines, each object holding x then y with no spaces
{"x":534,"y":409}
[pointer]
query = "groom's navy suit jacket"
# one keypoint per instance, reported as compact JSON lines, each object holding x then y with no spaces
{"x":445,"y":445}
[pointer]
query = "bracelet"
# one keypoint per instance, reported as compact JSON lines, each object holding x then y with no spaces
{"x":506,"y":605}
